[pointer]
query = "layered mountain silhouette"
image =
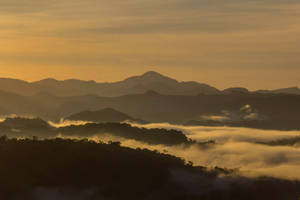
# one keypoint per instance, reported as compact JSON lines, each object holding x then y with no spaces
{"x":152,"y":97}
{"x":134,"y":85}
{"x":270,"y":111}
{"x":36,"y":127}
{"x":104,"y":115}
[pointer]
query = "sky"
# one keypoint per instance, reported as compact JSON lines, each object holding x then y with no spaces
{"x":225,"y":43}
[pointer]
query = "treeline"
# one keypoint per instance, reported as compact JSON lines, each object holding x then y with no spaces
{"x":121,"y":172}
{"x":22,"y":127}
{"x":84,"y":170}
{"x":151,"y":136}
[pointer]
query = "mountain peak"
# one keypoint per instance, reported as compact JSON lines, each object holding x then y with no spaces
{"x":155,"y":76}
{"x":104,"y":115}
{"x":47,"y":81}
{"x":152,"y":73}
{"x":150,"y":77}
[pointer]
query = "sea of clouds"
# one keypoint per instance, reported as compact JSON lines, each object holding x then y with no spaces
{"x":235,"y":148}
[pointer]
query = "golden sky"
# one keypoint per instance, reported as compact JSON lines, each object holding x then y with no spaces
{"x":249,"y":43}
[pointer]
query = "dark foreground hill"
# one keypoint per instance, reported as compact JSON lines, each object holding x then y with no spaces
{"x":82,"y":170}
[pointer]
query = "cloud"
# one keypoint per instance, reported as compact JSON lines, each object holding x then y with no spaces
{"x":224,"y":134}
{"x":63,"y":123}
{"x":246,"y":112}
{"x":252,"y":160}
{"x":236,"y":148}
{"x":215,"y":118}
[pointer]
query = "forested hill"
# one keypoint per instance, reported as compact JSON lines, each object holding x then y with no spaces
{"x":82,"y":170}
{"x":23,"y":127}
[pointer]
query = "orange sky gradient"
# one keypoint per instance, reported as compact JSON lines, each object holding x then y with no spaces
{"x":253,"y":44}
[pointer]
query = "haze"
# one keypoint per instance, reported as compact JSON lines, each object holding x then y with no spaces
{"x":253,"y":44}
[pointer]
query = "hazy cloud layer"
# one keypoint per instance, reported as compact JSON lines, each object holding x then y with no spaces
{"x":235,"y":148}
{"x":63,"y":123}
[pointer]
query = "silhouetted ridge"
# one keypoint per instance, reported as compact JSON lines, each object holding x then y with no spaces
{"x":19,"y":122}
{"x":81,"y":169}
{"x":275,"y":111}
{"x":48,"y":81}
{"x":149,"y":80}
{"x":151,"y":76}
{"x":290,"y":90}
{"x":104,"y":115}
{"x":133,"y":85}
{"x":152,"y":73}
{"x":235,"y":90}
{"x":150,"y":136}
{"x":25,"y":127}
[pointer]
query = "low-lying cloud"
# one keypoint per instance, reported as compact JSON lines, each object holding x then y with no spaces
{"x":235,"y":148}
{"x":246,"y":112}
{"x":63,"y":123}
{"x":244,"y":149}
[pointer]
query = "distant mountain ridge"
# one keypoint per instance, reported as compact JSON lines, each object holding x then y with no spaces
{"x":290,"y":90}
{"x":149,"y":81}
{"x":134,"y":85}
{"x":269,"y":111}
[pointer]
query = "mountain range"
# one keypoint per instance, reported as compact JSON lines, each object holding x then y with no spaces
{"x":151,"y":97}
{"x":134,"y":85}
{"x":275,"y":111}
